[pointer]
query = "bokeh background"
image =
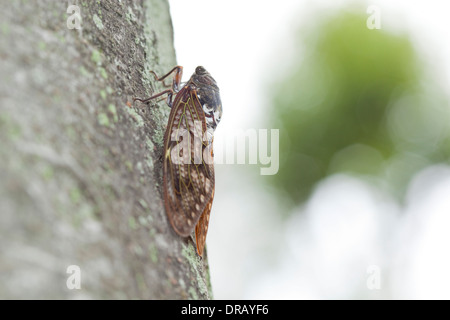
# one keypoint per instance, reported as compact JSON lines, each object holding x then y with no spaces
{"x":363,"y":187}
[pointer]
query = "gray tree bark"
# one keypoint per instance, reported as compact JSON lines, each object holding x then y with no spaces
{"x":80,"y":169}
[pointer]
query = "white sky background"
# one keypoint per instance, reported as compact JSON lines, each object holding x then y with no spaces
{"x":347,"y":224}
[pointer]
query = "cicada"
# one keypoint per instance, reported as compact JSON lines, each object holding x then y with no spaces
{"x":188,"y":166}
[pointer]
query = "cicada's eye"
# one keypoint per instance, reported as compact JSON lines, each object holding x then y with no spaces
{"x":200,"y":71}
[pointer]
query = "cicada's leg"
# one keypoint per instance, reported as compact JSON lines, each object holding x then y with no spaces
{"x":176,"y":79}
{"x":169,"y":93}
{"x":175,"y":85}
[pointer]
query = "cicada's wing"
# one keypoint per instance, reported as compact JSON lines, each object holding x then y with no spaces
{"x":188,"y":178}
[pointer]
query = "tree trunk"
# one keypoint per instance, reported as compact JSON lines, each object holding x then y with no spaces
{"x":81,"y":201}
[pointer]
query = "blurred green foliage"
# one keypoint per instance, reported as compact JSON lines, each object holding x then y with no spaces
{"x":358,"y":101}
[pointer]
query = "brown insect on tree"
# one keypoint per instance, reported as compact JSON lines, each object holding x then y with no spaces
{"x":188,"y":151}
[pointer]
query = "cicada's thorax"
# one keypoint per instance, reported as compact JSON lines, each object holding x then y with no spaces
{"x":209,"y":96}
